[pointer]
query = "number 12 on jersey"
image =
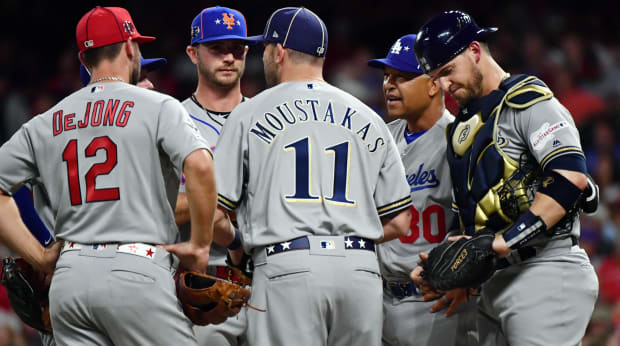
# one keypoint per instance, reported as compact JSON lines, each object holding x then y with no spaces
{"x":303,"y":172}
{"x":93,"y":194}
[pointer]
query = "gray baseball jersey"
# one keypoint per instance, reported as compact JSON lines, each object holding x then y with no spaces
{"x":99,"y":151}
{"x":210,"y":124}
{"x":305,"y":158}
{"x":428,"y":176}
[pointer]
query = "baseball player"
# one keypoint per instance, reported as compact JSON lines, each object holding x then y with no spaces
{"x":218,"y":49}
{"x":415,"y":103}
{"x":313,"y":174}
{"x":109,"y":156}
{"x":32,"y":199}
{"x":513,"y":142}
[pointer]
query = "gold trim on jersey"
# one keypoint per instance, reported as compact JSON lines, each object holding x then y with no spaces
{"x":386,"y":209}
{"x":544,"y":92}
{"x":555,"y":153}
{"x":226,"y":203}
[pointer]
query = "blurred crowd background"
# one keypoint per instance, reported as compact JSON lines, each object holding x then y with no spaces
{"x":573,"y":46}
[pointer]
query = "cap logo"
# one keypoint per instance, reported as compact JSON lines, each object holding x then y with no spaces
{"x":128,"y":26}
{"x":229,"y":21}
{"x":320,"y":50}
{"x":195,"y":32}
{"x":89,"y":43}
{"x":275,"y":34}
{"x":396,"y":47}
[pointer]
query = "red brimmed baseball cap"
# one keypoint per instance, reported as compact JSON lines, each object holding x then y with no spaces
{"x":103,"y":26}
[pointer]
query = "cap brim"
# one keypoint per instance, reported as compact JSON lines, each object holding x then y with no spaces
{"x":484,"y":32}
{"x":382,"y":63}
{"x":153,"y":64}
{"x":225,"y":37}
{"x":144,"y":39}
{"x":257,"y":39}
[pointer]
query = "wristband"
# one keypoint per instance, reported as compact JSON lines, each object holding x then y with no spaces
{"x":236,"y":243}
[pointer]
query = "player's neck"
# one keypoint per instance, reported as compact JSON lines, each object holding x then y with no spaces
{"x":428,"y":117}
{"x":218,"y":99}
{"x":110,"y":71}
{"x":493,"y":75}
{"x":301,"y":72}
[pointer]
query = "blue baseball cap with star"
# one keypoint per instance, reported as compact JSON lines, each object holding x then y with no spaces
{"x":401,"y":56}
{"x":218,"y":23}
{"x":148,"y":64}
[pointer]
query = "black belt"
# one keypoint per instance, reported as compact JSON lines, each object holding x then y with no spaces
{"x":400,"y":289}
{"x":350,"y":243}
{"x":526,"y":253}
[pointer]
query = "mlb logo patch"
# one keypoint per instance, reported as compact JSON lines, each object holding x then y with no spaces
{"x":96,"y":89}
{"x":328,"y":244}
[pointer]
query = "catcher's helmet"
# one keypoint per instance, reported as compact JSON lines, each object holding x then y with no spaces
{"x":445,"y":36}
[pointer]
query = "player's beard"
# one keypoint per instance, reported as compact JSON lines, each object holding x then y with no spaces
{"x":134,"y":78}
{"x":211,"y":75}
{"x":271,"y":72}
{"x":471,"y":90}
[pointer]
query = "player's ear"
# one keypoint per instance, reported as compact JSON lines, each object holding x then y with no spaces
{"x":476,"y":49}
{"x":280,"y":51}
{"x":129,"y":48}
{"x":192,"y":53}
{"x":433,"y":86}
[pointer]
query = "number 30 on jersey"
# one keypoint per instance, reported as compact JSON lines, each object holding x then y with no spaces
{"x":426,"y":220}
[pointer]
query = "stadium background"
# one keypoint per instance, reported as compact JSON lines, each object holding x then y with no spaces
{"x":573,"y":46}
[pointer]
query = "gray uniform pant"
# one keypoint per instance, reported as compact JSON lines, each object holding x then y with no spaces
{"x":101,"y":297}
{"x":408,"y":322}
{"x":316,"y":297}
{"x":546,"y":300}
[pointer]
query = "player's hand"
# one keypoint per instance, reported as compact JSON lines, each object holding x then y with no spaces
{"x":191,"y":257}
{"x":452,"y":299}
{"x":49,"y":257}
{"x":500,"y":246}
{"x":421,"y":284}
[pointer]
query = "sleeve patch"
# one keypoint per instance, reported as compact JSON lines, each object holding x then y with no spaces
{"x":544,"y":135}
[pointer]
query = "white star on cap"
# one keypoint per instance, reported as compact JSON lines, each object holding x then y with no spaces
{"x":362,"y":243}
{"x":270,"y":249}
{"x":406,"y":48}
{"x":217,"y":21}
{"x":238,"y":23}
{"x":348,"y":242}
{"x":286,"y":245}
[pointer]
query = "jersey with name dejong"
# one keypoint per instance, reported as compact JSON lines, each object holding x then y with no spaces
{"x":428,"y":175}
{"x":109,"y":156}
{"x":306,"y":158}
{"x":210,"y":124}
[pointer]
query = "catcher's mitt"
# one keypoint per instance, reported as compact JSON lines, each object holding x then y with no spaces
{"x":209,"y":300}
{"x":28,"y":292}
{"x":465,"y":263}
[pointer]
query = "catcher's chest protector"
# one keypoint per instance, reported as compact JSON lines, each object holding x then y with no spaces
{"x":484,"y":178}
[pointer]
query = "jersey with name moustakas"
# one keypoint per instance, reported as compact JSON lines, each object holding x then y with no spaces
{"x":306,"y":158}
{"x":428,"y":175}
{"x":110,"y":156}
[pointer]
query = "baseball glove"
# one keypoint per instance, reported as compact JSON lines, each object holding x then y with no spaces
{"x":240,"y":274}
{"x":465,"y":263}
{"x":209,"y":300}
{"x":28,"y":292}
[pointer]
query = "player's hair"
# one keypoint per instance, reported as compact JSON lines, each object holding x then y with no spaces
{"x":93,"y":57}
{"x":303,"y":58}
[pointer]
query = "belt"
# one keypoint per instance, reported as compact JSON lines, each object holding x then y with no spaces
{"x":400,"y":289}
{"x":350,"y":243}
{"x":525,"y":253}
{"x":138,"y":249}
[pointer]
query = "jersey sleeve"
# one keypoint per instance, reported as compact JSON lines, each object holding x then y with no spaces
{"x":177,"y":134}
{"x":392,"y":192}
{"x":231,"y":160}
{"x":549,"y":131}
{"x":17,"y":161}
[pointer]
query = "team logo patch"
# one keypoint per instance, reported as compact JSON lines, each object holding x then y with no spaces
{"x":396,"y":47}
{"x":96,"y":89}
{"x":546,"y":133}
{"x":328,"y":244}
{"x":195,"y":31}
{"x":464,"y":133}
{"x":229,"y":20}
{"x":501,"y":140}
{"x":128,"y":27}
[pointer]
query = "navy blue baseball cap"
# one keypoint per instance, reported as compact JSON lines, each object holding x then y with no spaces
{"x":296,"y":28}
{"x":445,"y":36}
{"x":401,"y":56}
{"x":148,"y":64}
{"x":218,"y":23}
